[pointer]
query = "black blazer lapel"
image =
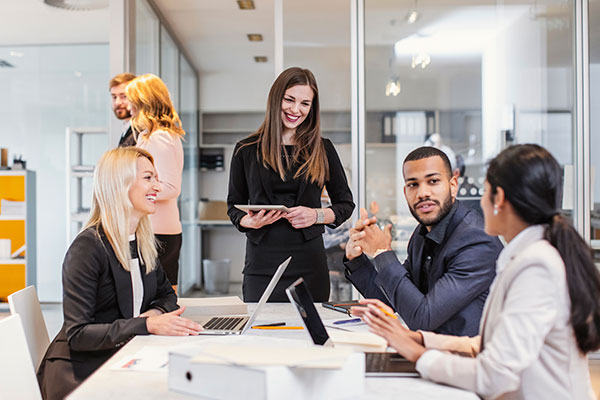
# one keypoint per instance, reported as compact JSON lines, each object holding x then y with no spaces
{"x":122,"y":282}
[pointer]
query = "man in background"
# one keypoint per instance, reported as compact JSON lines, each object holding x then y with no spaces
{"x":120,"y":106}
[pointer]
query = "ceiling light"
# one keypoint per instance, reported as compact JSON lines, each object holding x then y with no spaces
{"x":16,"y":54}
{"x":260,"y":59}
{"x":412,"y":16}
{"x":246,"y":4}
{"x":255,"y":37}
{"x":393,"y":87}
{"x":79,"y":5}
{"x":422,"y":59}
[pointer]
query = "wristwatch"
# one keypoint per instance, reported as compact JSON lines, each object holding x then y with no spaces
{"x":379,"y":251}
{"x":320,"y":216}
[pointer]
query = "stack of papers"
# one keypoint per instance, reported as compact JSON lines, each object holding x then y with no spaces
{"x":358,"y":341}
{"x":264,"y":355}
{"x":9,"y":207}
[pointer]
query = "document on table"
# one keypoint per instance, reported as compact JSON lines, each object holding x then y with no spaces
{"x":147,"y":359}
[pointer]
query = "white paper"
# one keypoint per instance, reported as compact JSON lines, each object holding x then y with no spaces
{"x":147,"y":359}
{"x":269,"y":355}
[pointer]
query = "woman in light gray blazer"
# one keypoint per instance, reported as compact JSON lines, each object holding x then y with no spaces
{"x":542,"y":315}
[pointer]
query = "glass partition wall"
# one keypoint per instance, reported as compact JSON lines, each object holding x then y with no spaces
{"x":594,"y":70}
{"x":325,"y":50}
{"x":157,"y":52}
{"x":470,"y":78}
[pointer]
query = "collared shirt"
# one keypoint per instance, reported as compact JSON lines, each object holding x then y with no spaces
{"x":527,"y":346}
{"x":432,"y":239}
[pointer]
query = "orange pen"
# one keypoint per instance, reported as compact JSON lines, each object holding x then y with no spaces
{"x":278,"y":327}
{"x":389,"y":313}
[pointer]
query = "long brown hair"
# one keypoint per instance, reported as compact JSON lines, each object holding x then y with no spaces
{"x":150,"y":96}
{"x":309,"y":151}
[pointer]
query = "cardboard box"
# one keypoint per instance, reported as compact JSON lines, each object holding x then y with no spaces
{"x":212,"y":210}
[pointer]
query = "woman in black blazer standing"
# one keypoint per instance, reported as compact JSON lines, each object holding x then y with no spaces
{"x":113,"y":285}
{"x":287,"y":162}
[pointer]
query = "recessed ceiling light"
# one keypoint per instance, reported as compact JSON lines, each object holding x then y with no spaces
{"x":260,"y":59}
{"x":246,"y":4}
{"x":255,"y":37}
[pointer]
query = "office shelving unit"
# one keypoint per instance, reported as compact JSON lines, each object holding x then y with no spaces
{"x":80,"y":171}
{"x":20,"y":271}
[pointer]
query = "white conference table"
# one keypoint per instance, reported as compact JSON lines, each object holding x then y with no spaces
{"x":107,"y":383}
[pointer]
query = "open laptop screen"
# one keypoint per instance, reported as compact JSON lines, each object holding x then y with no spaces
{"x":303,"y":302}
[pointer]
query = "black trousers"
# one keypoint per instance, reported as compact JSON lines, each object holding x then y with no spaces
{"x":318,"y":284}
{"x":168,"y":254}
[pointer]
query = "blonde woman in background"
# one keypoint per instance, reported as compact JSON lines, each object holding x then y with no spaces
{"x":113,"y":288}
{"x":157,"y":129}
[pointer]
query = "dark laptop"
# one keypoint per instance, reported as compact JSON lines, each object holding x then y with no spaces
{"x":376,"y":364}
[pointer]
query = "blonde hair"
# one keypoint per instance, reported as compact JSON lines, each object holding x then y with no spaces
{"x":150,"y":97}
{"x":111,"y":207}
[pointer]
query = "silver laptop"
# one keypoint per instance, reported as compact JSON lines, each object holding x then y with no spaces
{"x":238,"y":324}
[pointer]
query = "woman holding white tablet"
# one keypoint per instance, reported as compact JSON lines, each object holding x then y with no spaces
{"x":286,"y":162}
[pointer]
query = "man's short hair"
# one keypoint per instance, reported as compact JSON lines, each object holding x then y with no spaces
{"x":117,"y":80}
{"x":427,"y":152}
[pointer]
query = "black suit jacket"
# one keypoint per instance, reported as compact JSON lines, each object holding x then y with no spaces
{"x":127,"y":138}
{"x":98,"y":312}
{"x":249,"y":183}
{"x":459,"y":277}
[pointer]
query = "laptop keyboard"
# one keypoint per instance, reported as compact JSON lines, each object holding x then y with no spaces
{"x":376,"y":362}
{"x":222,"y":323}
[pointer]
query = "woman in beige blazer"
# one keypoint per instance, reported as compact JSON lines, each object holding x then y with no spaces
{"x":542,"y":315}
{"x":157,"y":129}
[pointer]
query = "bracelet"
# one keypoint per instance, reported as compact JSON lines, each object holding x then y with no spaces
{"x":320,"y":216}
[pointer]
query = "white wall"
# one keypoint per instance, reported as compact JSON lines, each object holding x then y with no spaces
{"x":49,"y":89}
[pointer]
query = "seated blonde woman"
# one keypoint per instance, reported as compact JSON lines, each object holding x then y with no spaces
{"x":113,"y":287}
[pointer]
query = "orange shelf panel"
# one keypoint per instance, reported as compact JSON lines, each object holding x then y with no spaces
{"x":12,"y":187}
{"x":12,"y":278}
{"x":15,"y":231}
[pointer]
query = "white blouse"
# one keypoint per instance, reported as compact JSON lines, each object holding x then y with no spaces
{"x":137,"y":286}
{"x":527,"y":348}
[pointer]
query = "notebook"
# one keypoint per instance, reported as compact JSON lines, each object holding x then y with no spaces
{"x":238,"y":324}
{"x":376,"y":364}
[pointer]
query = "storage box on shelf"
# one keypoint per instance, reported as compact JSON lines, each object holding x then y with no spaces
{"x":17,"y":224}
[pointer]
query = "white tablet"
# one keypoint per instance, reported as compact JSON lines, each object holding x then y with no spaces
{"x":258,"y":207}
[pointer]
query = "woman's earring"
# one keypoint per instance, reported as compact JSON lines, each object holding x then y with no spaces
{"x":495,"y":210}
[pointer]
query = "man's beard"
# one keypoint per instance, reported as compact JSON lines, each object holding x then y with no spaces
{"x":121,"y":113}
{"x":444,"y":210}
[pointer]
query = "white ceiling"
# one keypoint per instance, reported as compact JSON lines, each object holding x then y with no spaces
{"x":214,"y":31}
{"x":26,"y":22}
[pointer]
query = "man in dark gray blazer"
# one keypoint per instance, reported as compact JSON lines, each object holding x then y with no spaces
{"x":443,"y":284}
